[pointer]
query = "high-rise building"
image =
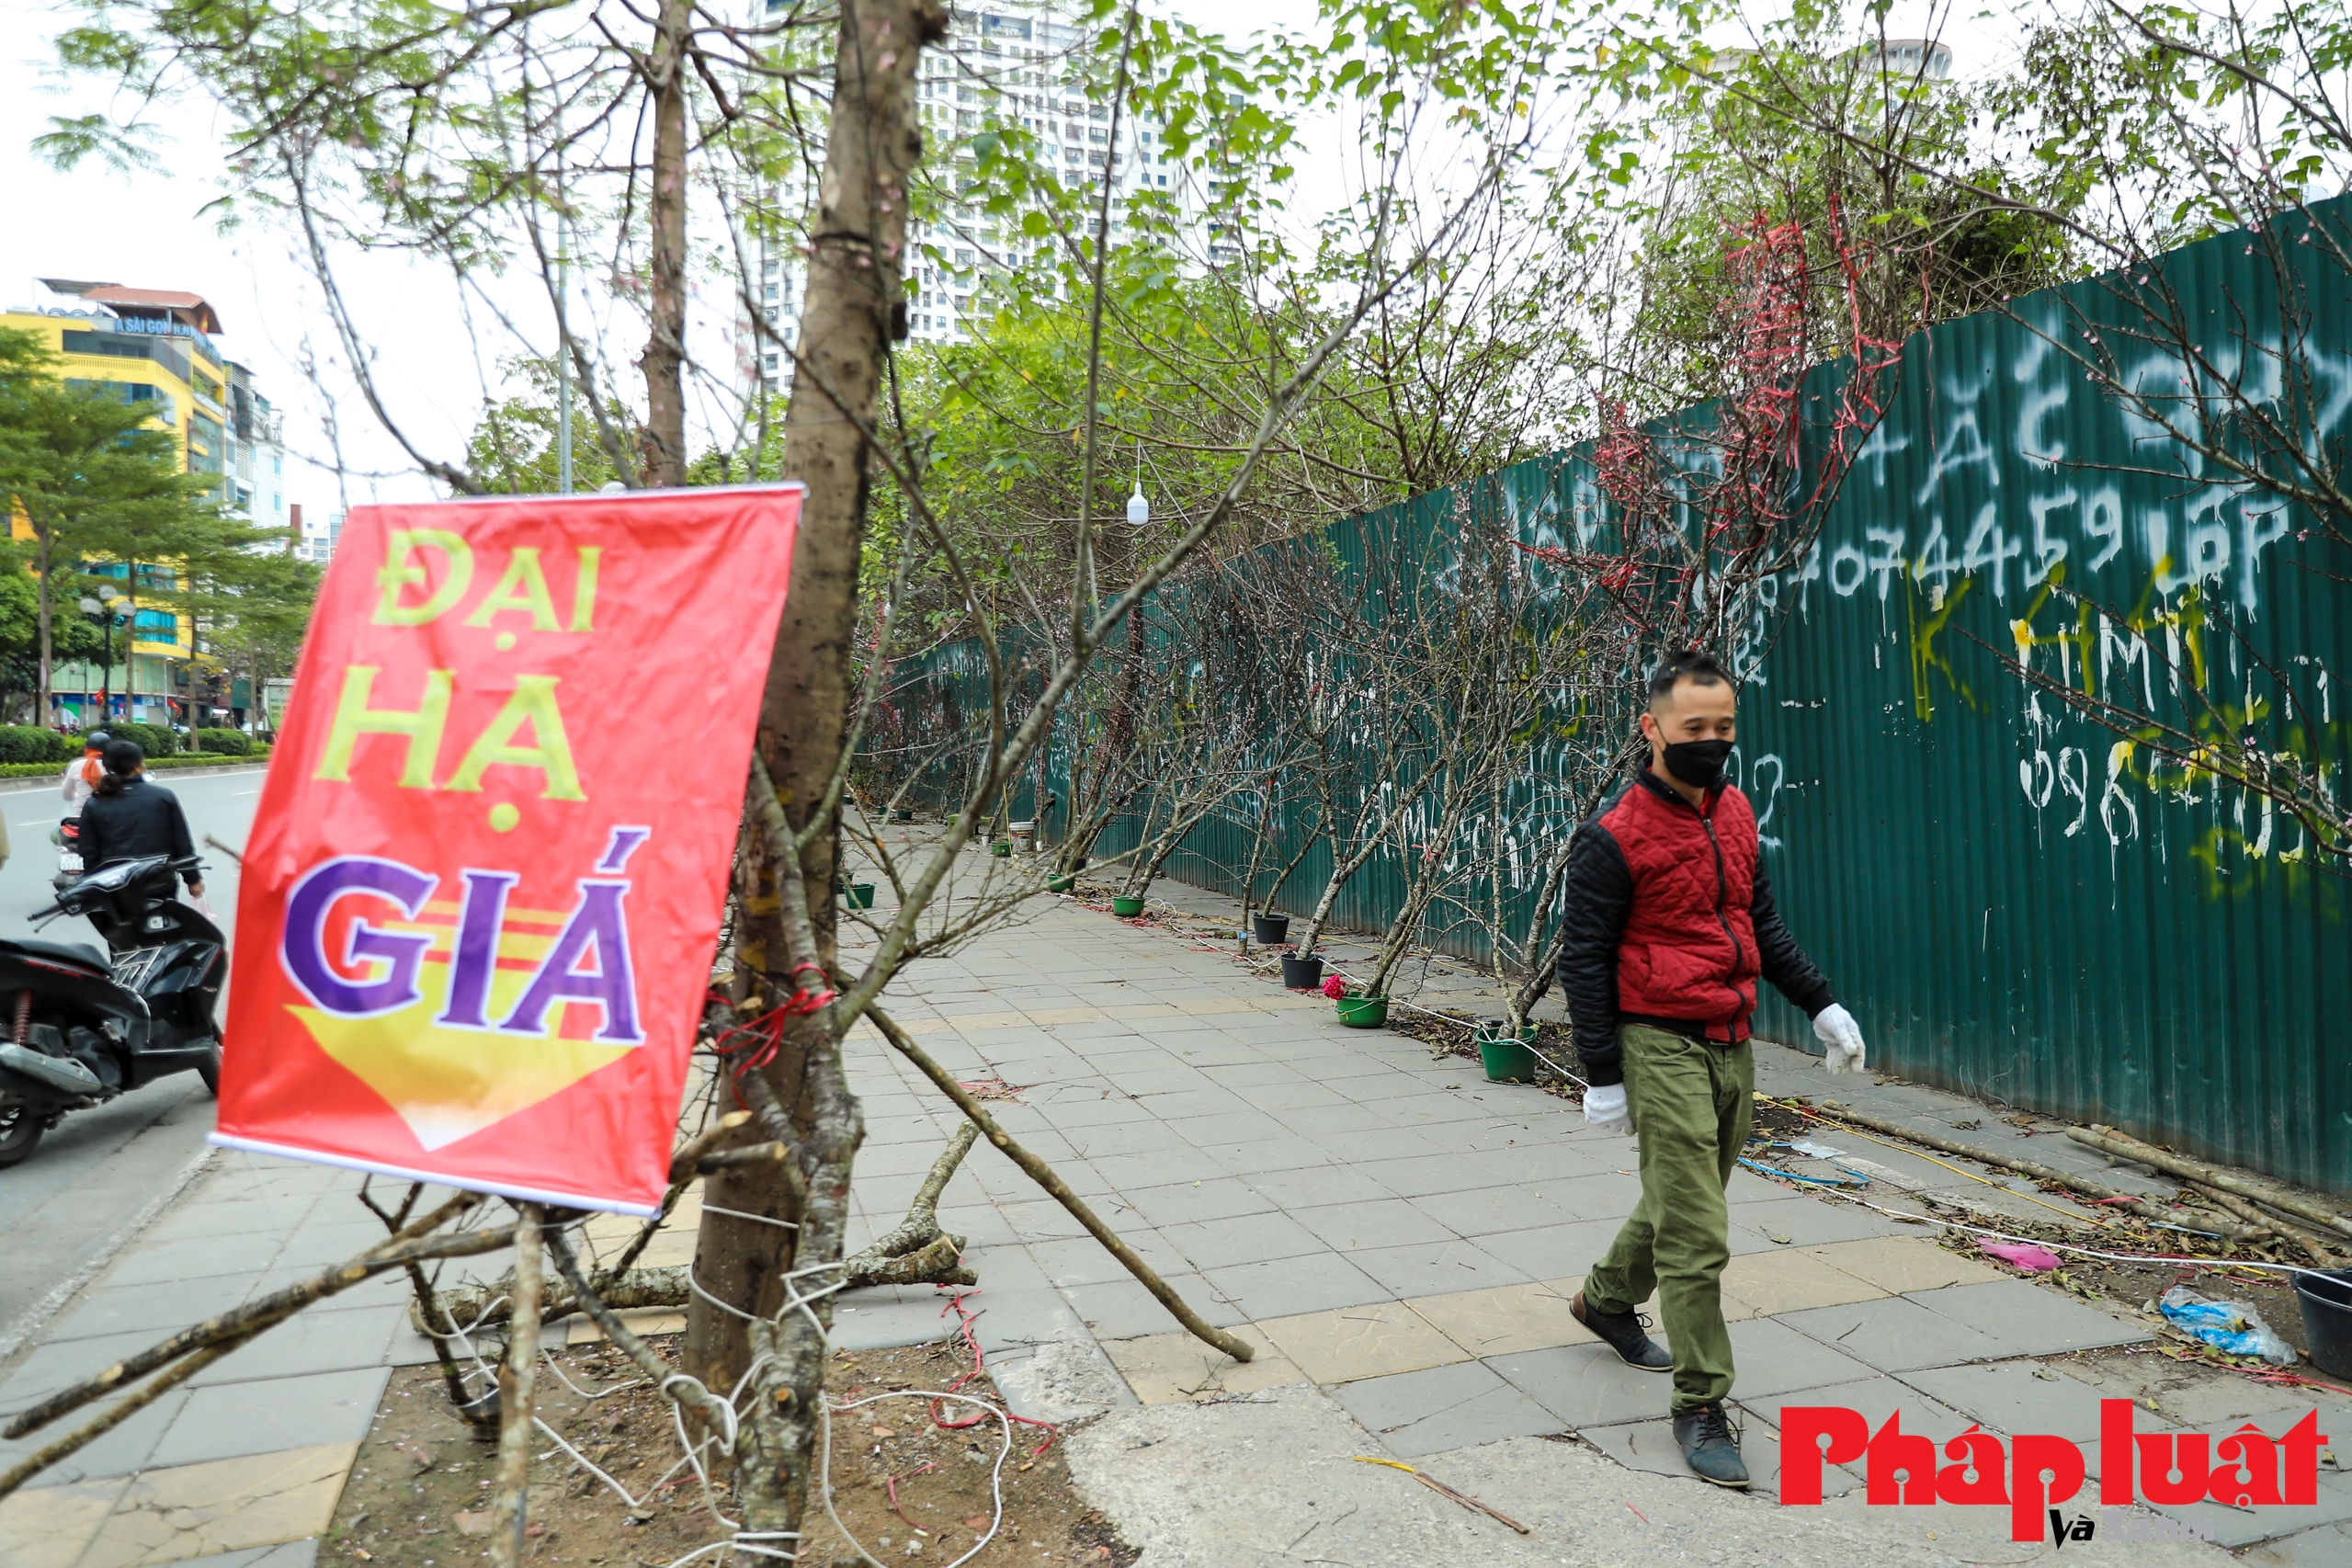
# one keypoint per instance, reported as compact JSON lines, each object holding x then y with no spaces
{"x":153,"y":348}
{"x":254,"y":474}
{"x":315,"y":539}
{"x":1026,"y":63}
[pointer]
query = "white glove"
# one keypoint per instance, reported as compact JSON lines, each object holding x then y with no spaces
{"x":1604,"y":1108}
{"x":1843,"y":1036}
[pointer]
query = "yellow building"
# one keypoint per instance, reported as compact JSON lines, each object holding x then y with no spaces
{"x":145,"y":345}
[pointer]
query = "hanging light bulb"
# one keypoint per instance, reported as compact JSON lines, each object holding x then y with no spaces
{"x":1139,"y":510}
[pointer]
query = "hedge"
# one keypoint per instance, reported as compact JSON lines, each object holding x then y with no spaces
{"x":227,"y":743}
{"x":154,"y":764}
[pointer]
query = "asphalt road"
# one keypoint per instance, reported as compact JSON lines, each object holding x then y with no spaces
{"x":98,"y":1169}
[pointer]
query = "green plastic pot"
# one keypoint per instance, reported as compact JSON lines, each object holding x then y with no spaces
{"x":903,"y":813}
{"x":1060,"y":884}
{"x":1507,"y":1061}
{"x":1002,"y":849}
{"x":1364,"y":1011}
{"x":861,"y":895}
{"x":1126,"y":908}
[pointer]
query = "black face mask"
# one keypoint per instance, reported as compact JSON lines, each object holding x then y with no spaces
{"x":1699,"y":764}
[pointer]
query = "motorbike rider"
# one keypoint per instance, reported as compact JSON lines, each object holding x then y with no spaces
{"x":127,"y":817}
{"x":81,"y":774}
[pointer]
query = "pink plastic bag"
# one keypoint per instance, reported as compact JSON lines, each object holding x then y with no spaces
{"x":2021,"y":1255}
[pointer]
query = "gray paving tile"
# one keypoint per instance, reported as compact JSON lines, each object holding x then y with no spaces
{"x":261,"y":1417}
{"x":1123,"y":1309}
{"x":1444,"y":1407}
{"x":1360,"y":1126}
{"x":2019,"y":1396}
{"x":1315,"y":1186}
{"x":1085,"y":1261}
{"x":2323,"y":1546}
{"x":1894,"y":1335}
{"x":1127,"y":1172}
{"x":148,"y":1262}
{"x":1250,"y":1238}
{"x":51,"y":1365}
{"x":1372,"y":1222}
{"x":1810,"y":1222}
{"x":1282,"y":1099}
{"x":166,"y":1305}
{"x":1554,"y":1251}
{"x":1032,"y":1220}
{"x":118,"y":1452}
{"x":860,"y":1324}
{"x":1244,"y":1075}
{"x":1264,"y":1156}
{"x":1207,"y":1100}
{"x":1435,"y":1268}
{"x":1213,"y":1198}
{"x":1483,"y":1210}
{"x":229,"y":1217}
{"x":1770,"y":1357}
{"x":1230,"y":1127}
{"x":1649,"y":1446}
{"x":2029,"y":1320}
{"x":1421,"y":1176}
{"x":1586,"y":1385}
{"x":1548,"y":1160}
{"x":324,"y":1342}
{"x":1314,"y":1283}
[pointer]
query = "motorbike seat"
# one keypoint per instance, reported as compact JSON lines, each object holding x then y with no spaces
{"x":80,"y":953}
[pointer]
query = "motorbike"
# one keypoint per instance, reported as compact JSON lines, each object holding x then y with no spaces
{"x":68,"y":839}
{"x":79,"y":1027}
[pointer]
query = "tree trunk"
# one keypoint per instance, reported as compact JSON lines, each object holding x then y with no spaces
{"x":854,"y":308}
{"x":665,"y":355}
{"x":41,"y":602}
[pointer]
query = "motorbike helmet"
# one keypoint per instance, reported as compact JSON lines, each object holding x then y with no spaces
{"x":96,"y":739}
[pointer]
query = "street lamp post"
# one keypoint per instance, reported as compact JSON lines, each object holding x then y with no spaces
{"x":101,"y":609}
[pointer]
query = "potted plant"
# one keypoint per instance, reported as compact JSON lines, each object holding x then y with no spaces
{"x":1270,"y":930}
{"x":902,"y":813}
{"x":1002,"y":849}
{"x":1061,"y":882}
{"x":1506,"y":1056}
{"x":861,"y":895}
{"x":1126,"y":907}
{"x":1302,"y":971}
{"x":1358,"y":1008}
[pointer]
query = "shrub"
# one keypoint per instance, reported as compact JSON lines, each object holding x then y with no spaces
{"x":28,"y":743}
{"x":226,"y":742}
{"x":154,"y":739}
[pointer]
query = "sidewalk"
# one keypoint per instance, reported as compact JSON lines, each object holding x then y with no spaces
{"x":1398,"y":1236}
{"x":1402,"y":1236}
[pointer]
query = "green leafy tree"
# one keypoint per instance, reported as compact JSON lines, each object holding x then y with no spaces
{"x":89,"y":475}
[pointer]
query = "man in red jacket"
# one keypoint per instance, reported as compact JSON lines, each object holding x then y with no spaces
{"x":1669,"y":920}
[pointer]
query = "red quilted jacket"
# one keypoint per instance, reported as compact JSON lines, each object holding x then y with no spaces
{"x":1669,"y":920}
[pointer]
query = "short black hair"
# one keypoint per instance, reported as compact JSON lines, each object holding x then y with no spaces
{"x":1691,"y":664}
{"x":125,"y":757}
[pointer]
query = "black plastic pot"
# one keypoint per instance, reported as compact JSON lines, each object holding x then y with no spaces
{"x":1270,"y":930}
{"x":2326,"y":1301}
{"x":1301,"y":974}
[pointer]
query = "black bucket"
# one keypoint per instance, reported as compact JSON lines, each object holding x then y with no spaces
{"x":1301,"y":974}
{"x":2326,"y":1301}
{"x":1270,"y":930}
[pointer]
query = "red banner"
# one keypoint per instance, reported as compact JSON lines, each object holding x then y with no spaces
{"x":482,"y":892}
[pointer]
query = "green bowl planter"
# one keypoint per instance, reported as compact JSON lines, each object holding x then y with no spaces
{"x":861,"y":895}
{"x":902,"y":813}
{"x":1126,"y":908}
{"x":1364,"y":1011}
{"x":1060,"y":884}
{"x":1002,"y":849}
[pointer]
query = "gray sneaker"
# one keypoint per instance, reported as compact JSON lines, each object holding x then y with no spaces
{"x":1625,"y":1333}
{"x":1710,"y":1446}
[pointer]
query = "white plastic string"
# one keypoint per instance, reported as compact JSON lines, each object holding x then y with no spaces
{"x":759,"y":1219}
{"x":995,"y":1473}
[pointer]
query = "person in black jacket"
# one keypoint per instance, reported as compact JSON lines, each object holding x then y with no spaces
{"x":127,"y":818}
{"x":1668,"y":923}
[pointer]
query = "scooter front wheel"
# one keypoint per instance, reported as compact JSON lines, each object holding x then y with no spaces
{"x":21,"y":1126}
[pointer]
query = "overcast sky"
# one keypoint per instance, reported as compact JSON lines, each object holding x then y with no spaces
{"x":149,"y":229}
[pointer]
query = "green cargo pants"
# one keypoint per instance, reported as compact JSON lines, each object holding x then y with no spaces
{"x":1691,"y":1104}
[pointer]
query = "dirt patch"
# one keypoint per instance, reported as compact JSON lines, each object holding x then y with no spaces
{"x":419,"y":1495}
